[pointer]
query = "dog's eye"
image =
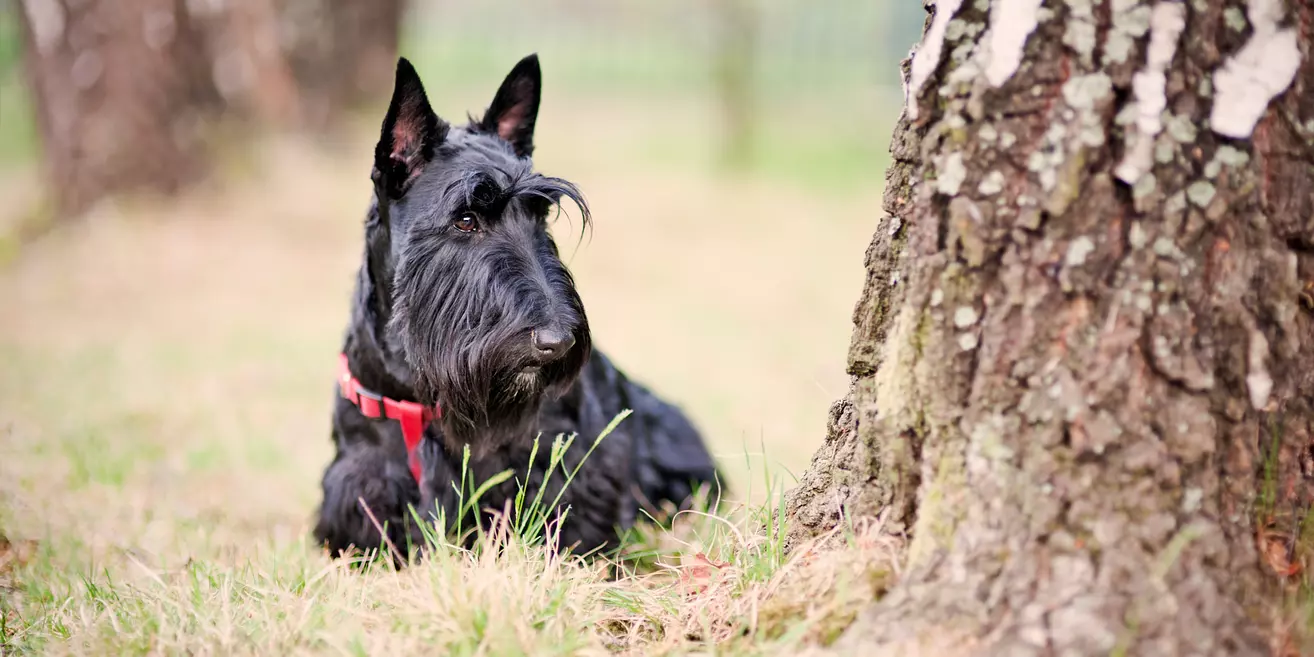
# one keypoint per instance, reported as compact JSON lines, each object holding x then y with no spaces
{"x":466,"y":222}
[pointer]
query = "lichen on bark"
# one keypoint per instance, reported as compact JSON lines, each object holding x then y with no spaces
{"x":1087,"y":399}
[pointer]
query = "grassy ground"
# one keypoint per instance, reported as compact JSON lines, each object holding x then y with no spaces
{"x":165,"y":392}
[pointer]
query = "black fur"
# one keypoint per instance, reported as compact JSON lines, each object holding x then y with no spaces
{"x":462,"y":300}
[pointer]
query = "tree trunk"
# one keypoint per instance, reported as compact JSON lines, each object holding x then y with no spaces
{"x":123,"y":87}
{"x":118,"y":86}
{"x":736,"y":54}
{"x":1083,"y":362}
{"x":343,"y":52}
{"x":243,"y":40}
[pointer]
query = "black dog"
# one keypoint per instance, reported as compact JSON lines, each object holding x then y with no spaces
{"x":466,"y":330}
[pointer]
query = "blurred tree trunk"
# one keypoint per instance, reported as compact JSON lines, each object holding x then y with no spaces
{"x":123,"y":88}
{"x":243,"y":39}
{"x":736,"y":53}
{"x":1083,"y":362}
{"x":343,"y":53}
{"x":119,"y":87}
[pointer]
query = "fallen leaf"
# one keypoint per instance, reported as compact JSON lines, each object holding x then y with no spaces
{"x":1273,"y":549}
{"x":698,"y":576}
{"x":703,"y":558}
{"x":12,"y":556}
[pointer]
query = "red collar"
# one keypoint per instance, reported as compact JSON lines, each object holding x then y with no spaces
{"x":413,"y":416}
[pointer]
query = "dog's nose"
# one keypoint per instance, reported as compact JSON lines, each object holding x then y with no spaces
{"x":552,"y":344}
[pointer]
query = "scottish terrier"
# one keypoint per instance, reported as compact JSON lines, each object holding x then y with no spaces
{"x":467,"y":337}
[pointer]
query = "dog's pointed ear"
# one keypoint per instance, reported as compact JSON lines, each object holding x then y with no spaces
{"x":515,"y":107}
{"x":411,"y":131}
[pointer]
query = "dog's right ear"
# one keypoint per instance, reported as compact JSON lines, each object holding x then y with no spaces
{"x":411,"y":132}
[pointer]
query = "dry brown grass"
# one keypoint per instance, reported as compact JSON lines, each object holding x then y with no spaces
{"x":164,"y":395}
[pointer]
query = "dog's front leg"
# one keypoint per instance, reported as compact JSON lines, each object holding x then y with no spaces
{"x":439,"y":481}
{"x":365,"y":490}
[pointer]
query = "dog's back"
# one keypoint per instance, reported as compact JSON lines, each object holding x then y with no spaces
{"x":668,"y":459}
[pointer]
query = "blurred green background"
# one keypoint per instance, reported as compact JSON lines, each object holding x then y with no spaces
{"x":820,"y":78}
{"x":18,"y":141}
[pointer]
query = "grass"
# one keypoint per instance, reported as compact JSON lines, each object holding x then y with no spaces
{"x":1286,"y":546}
{"x":707,"y":581}
{"x":163,"y":420}
{"x":507,"y":595}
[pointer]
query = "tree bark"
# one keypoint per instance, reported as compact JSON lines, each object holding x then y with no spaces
{"x":119,"y":86}
{"x":1083,"y":362}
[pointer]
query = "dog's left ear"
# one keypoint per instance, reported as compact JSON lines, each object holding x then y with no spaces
{"x":515,"y":107}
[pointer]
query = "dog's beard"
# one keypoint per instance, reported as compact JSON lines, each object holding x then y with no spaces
{"x":507,"y":415}
{"x":469,"y":351}
{"x":527,"y":382}
{"x":488,"y":394}
{"x":491,"y":410}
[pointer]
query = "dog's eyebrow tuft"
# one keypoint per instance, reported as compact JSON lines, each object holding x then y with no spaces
{"x":476,"y":189}
{"x":551,"y":191}
{"x":482,"y":189}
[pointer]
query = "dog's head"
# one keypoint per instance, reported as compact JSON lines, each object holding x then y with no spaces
{"x":482,"y":305}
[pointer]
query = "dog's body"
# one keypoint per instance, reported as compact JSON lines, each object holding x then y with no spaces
{"x":462,"y":303}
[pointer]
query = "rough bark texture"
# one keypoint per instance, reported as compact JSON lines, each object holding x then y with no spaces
{"x":118,"y":87}
{"x":1087,"y":400}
